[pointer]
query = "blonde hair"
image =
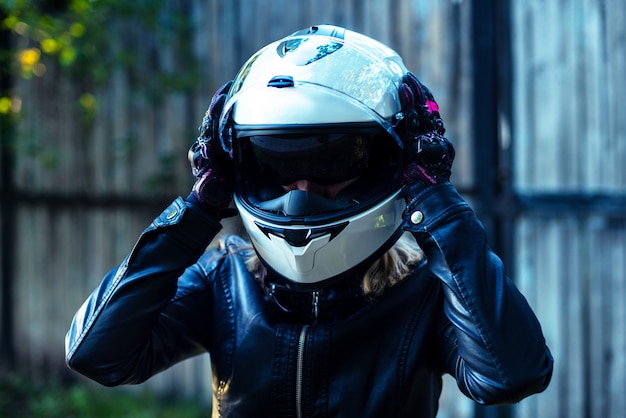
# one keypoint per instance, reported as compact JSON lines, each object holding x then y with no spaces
{"x":392,"y":266}
{"x":386,"y":271}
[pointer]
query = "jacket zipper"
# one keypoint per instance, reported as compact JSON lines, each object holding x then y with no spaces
{"x":300,"y":355}
{"x":299,"y":370}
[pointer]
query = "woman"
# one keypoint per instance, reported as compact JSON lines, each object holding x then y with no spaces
{"x":364,"y":277}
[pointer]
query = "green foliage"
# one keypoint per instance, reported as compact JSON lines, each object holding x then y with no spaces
{"x":76,"y":36}
{"x":75,"y":33}
{"x":21,"y":398}
{"x":144,"y":43}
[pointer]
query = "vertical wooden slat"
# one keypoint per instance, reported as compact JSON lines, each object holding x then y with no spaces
{"x":549,"y":304}
{"x":617,"y":378}
{"x":573,"y":288}
{"x":600,"y":317}
{"x":615,"y":30}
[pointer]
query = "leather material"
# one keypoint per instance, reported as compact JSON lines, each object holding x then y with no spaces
{"x":456,"y":313}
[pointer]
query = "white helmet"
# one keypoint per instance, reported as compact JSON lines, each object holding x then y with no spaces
{"x":320,"y":105}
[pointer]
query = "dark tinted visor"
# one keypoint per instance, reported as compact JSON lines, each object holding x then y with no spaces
{"x":323,"y":159}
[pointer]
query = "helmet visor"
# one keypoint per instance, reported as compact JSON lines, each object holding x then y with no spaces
{"x":266,"y":164}
{"x":324,"y":159}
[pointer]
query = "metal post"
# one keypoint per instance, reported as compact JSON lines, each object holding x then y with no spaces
{"x":491,"y":96}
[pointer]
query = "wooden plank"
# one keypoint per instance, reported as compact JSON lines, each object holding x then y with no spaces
{"x":615,"y":32}
{"x":601,"y":353}
{"x":549,"y":302}
{"x":617,"y":343}
{"x":573,"y":280}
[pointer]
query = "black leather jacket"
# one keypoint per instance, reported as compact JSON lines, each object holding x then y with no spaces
{"x":456,"y":313}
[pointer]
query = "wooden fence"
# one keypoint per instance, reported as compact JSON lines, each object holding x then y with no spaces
{"x":86,"y":191}
{"x":569,"y":140}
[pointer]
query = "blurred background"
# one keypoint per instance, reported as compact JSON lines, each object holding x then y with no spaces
{"x":100,"y":100}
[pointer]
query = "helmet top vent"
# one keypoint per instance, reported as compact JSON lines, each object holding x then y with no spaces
{"x":280,"y":81}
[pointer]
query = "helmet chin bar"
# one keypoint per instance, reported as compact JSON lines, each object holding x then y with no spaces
{"x":309,"y":254}
{"x":276,"y":277}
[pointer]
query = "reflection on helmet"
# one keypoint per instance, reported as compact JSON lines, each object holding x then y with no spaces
{"x":320,"y":105}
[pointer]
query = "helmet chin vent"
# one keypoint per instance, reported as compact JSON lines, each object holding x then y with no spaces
{"x":301,"y":237}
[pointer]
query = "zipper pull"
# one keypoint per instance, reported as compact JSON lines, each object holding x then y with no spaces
{"x":315,"y":302}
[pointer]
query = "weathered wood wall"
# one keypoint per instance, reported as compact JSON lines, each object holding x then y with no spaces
{"x":83,"y":186}
{"x":569,"y":139}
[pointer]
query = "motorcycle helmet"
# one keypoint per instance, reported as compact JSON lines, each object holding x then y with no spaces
{"x":320,"y":105}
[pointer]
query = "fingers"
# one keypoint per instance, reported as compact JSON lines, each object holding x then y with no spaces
{"x":435,"y":149}
{"x":216,"y":106}
{"x":407,"y":98}
{"x":416,"y":87}
{"x":197,"y":161}
{"x":225,"y":88}
{"x":218,"y":100}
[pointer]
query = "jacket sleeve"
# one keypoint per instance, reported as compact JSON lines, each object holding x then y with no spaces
{"x":124,"y":331}
{"x":493,"y":344}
